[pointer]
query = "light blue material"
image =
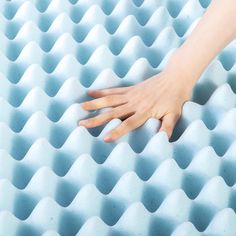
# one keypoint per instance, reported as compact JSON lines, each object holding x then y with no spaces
{"x":60,"y":179}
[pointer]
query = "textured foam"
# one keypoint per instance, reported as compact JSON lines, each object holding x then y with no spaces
{"x":57,"y":178}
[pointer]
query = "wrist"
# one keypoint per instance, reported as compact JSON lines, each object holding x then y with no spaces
{"x":185,"y":69}
{"x":179,"y":74}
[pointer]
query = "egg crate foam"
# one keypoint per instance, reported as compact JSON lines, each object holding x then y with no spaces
{"x":57,"y":178}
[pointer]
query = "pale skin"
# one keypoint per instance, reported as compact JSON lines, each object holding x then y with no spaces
{"x":163,"y":95}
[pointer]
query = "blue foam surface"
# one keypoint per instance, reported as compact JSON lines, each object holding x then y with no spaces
{"x":57,"y":178}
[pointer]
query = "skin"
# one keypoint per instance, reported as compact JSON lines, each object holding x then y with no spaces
{"x":163,"y":95}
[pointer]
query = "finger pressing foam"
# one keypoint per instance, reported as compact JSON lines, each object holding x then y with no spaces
{"x":59,"y":178}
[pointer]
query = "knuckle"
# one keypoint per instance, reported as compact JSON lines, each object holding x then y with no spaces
{"x":85,"y":105}
{"x":151,"y":113}
{"x":92,"y":104}
{"x":117,"y":112}
{"x":168,"y":126}
{"x":128,"y":107}
{"x":111,"y":115}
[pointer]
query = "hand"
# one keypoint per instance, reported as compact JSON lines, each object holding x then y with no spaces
{"x":161,"y":96}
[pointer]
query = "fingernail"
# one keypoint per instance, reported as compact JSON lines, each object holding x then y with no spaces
{"x":84,"y":106}
{"x":82,"y":122}
{"x":107,"y":138}
{"x":90,"y":91}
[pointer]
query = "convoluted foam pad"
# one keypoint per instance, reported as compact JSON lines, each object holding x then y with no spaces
{"x":57,"y":178}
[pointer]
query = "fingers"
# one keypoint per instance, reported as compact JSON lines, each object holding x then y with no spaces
{"x":126,"y":126}
{"x":105,"y":117}
{"x":106,"y":92}
{"x":108,"y":101}
{"x":168,"y":123}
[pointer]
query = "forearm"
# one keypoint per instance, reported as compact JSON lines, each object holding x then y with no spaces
{"x":215,"y":30}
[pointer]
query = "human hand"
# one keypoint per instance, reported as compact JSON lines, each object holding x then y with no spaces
{"x":161,"y":96}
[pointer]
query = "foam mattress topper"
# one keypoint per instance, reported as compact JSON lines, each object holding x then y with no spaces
{"x":57,"y":178}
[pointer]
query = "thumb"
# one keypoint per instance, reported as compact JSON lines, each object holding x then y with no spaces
{"x":168,"y":123}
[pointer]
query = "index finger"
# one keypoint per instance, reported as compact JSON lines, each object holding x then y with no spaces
{"x":109,"y":91}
